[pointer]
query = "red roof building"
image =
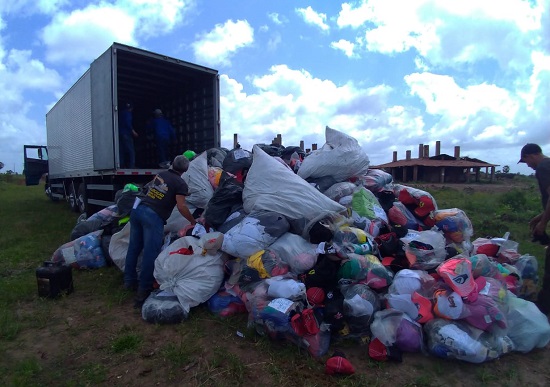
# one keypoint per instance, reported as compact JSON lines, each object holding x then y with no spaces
{"x":440,"y":168}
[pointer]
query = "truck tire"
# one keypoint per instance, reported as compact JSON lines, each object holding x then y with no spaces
{"x":73,"y":198}
{"x":48,"y":192}
{"x":82,"y":198}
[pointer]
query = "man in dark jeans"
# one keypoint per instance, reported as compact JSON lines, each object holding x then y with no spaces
{"x":126,"y":135}
{"x":532,"y":155}
{"x":147,"y":222}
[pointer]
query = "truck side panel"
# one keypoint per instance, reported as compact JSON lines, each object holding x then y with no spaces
{"x":103,"y":138}
{"x":69,"y":125}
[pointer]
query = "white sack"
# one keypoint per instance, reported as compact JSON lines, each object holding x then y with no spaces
{"x":196,"y":177}
{"x":271,"y":186}
{"x":340,"y":157}
{"x":193,"y":278}
{"x":254,"y":233}
{"x":118,"y":247}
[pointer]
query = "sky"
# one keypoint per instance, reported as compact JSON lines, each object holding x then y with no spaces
{"x":393,"y":74}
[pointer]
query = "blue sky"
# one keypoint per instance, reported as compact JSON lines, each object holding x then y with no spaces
{"x":391,"y":73}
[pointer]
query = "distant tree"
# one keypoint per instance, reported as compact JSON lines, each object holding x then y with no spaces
{"x":1,"y":165}
{"x":506,"y":169}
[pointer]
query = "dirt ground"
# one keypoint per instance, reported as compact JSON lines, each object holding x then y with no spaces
{"x":74,"y":346}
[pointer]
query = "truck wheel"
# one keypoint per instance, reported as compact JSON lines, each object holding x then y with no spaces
{"x":73,"y":199}
{"x":48,"y":192}
{"x":82,"y":199}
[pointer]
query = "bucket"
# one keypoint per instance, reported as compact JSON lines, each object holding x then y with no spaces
{"x":54,"y":279}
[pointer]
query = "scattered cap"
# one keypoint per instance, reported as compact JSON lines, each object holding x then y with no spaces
{"x":338,"y":364}
{"x":403,"y":303}
{"x":130,"y":187}
{"x":315,"y":296}
{"x":448,"y":305}
{"x":349,"y":269}
{"x":425,"y":206}
{"x":406,"y":281}
{"x":424,"y":307}
{"x":189,"y":154}
{"x":378,"y":351}
{"x":529,"y":149}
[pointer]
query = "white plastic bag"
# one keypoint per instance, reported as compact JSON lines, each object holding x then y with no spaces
{"x":340,"y":157}
{"x":271,"y":186}
{"x":196,"y":177}
{"x":193,"y":278}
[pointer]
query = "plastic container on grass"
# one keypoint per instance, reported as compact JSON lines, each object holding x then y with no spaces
{"x":54,"y":279}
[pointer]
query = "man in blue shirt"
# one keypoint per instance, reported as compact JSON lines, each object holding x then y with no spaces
{"x":164,"y":132}
{"x":126,"y":134}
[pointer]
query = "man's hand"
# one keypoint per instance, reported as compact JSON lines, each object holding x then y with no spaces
{"x":135,"y":134}
{"x":534,"y":222}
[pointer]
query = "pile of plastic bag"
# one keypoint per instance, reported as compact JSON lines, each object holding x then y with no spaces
{"x":319,"y":248}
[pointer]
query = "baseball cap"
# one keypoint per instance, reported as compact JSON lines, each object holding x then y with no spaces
{"x":529,"y":149}
{"x":380,"y":352}
{"x":315,"y":296}
{"x":338,"y":364}
{"x":448,"y":305}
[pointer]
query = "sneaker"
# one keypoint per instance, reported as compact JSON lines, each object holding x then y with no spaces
{"x":140,"y":298}
{"x":130,"y":286}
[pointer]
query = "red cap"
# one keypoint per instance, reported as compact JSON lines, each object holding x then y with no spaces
{"x":424,"y":306}
{"x":315,"y":296}
{"x":425,"y":206}
{"x":338,"y":365}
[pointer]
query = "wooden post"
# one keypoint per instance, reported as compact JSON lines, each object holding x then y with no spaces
{"x":235,"y":140}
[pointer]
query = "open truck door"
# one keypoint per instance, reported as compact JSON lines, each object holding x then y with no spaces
{"x":36,"y":163}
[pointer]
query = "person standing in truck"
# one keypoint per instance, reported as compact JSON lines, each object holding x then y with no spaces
{"x":147,"y":221}
{"x":164,"y":133}
{"x":126,"y":135}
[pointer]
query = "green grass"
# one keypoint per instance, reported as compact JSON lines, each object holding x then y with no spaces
{"x":100,"y":346}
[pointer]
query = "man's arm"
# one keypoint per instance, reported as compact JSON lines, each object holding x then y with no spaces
{"x":543,"y":218}
{"x":184,"y":210}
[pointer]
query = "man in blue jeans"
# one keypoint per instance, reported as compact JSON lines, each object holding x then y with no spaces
{"x":147,"y":222}
{"x":164,"y":133}
{"x":532,"y":155}
{"x":126,"y":135}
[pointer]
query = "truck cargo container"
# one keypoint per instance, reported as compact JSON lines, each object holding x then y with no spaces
{"x":82,"y":157}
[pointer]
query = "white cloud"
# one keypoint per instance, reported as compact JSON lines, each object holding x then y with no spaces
{"x":19,"y":76}
{"x":314,"y":18}
{"x":448,"y":33}
{"x":345,"y":46}
{"x":215,"y":48}
{"x":29,"y":7}
{"x":155,"y":17}
{"x":276,"y":18}
{"x":84,"y":34}
{"x":470,"y":114}
{"x":298,"y":106}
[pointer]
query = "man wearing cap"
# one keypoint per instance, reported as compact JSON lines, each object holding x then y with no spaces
{"x":532,"y":155}
{"x":126,"y":134}
{"x":147,"y":222}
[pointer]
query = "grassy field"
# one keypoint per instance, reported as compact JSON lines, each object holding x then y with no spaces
{"x":94,"y":336}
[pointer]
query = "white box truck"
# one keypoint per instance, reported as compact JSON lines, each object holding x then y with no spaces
{"x":82,"y":159}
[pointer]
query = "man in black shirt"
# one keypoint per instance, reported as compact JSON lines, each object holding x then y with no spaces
{"x":147,"y":222}
{"x":532,"y":155}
